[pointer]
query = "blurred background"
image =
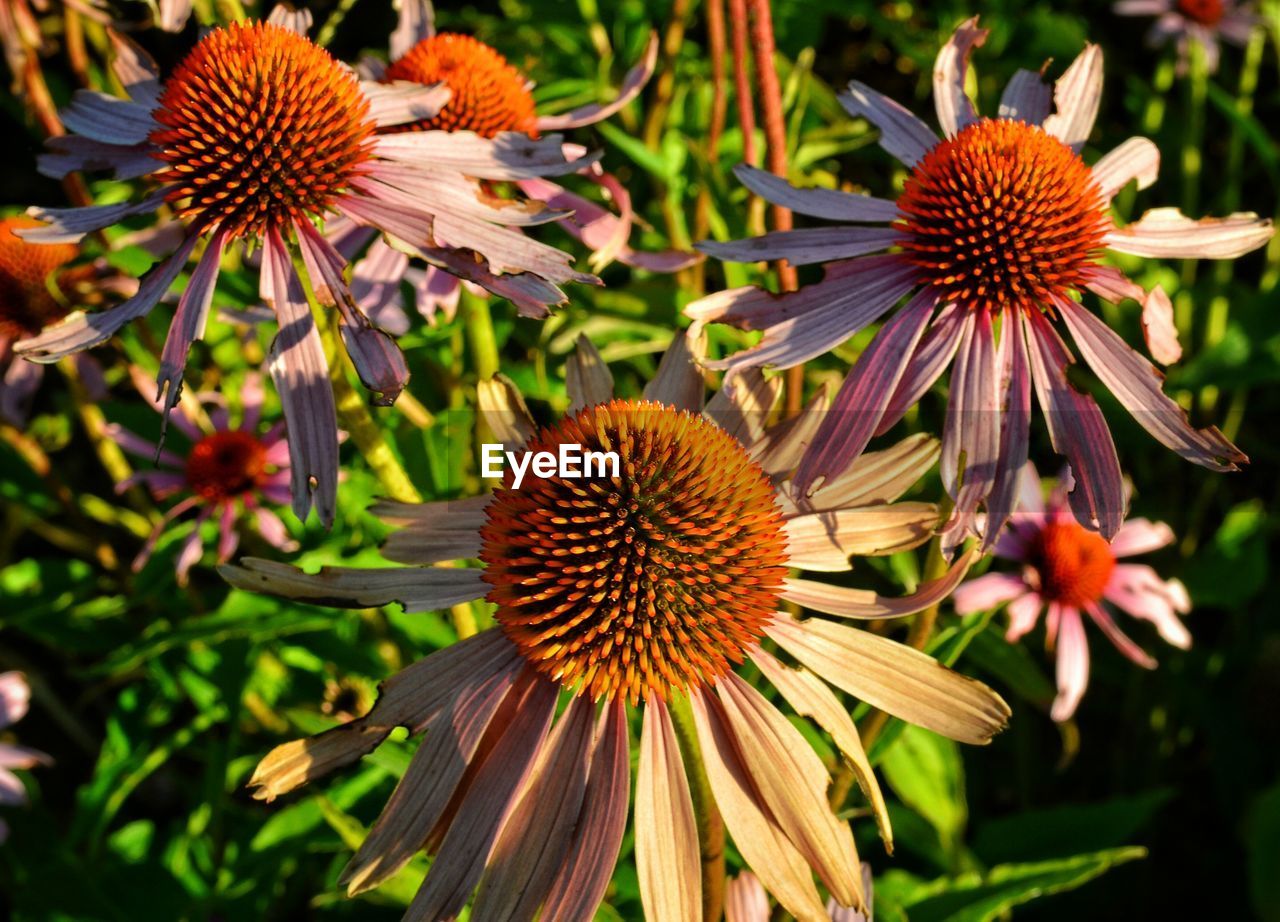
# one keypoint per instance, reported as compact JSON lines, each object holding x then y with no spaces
{"x":1160,"y":799}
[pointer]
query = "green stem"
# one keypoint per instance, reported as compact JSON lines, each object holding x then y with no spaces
{"x":330,"y":27}
{"x":710,"y":823}
{"x":1151,"y":121}
{"x":481,"y":340}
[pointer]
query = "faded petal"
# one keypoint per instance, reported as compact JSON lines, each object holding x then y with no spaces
{"x":955,"y":108}
{"x":666,"y":831}
{"x":1168,"y":233}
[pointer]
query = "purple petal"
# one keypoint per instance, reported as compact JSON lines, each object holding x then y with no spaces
{"x":135,"y":69}
{"x":375,"y":285}
{"x":861,"y":402}
{"x":931,"y":357}
{"x":437,"y":291}
{"x":378,"y":360}
{"x":955,"y":108}
{"x":806,"y":246}
{"x":1015,"y":426}
{"x":301,"y":376}
{"x":902,"y":134}
{"x":21,"y":379}
{"x":509,"y":156}
{"x":1076,"y":97}
{"x":1137,"y":384}
{"x":188,"y":324}
{"x":632,"y":84}
{"x":820,"y":203}
{"x":108,"y":118}
{"x":69,"y":225}
{"x":72,"y":152}
{"x":1157,"y":310}
{"x":1077,"y":430}
{"x":81,"y":331}
{"x":1026,"y":98}
{"x":972,"y":429}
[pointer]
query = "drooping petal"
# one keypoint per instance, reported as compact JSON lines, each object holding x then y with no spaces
{"x":932,"y":355}
{"x":666,"y":831}
{"x":864,"y":604}
{"x":1015,"y":426}
{"x":819,"y":203}
{"x":433,"y":532}
{"x":864,"y":396}
{"x":69,"y":225}
{"x":1076,"y":97}
{"x":1027,"y":98}
{"x":1023,"y":611}
{"x":972,"y":429}
{"x":1141,"y":593}
{"x":81,"y":331}
{"x":878,"y":476}
{"x":587,"y":378}
{"x":422,"y":794}
{"x":741,"y":406}
{"x":1121,"y":641}
{"x":678,"y":380}
{"x":109,"y":119}
{"x":460,"y":859}
{"x":824,"y":541}
{"x":792,"y":782}
{"x":902,"y":134}
{"x":1140,"y":536}
{"x":415,"y":588}
{"x":298,"y":368}
{"x":374,"y":353}
{"x":400,"y":101}
{"x":806,"y":246}
{"x":1077,"y":431}
{"x":135,"y":69}
{"x":1137,"y":384}
{"x":1157,"y":310}
{"x":584,"y":876}
{"x":632,"y":84}
{"x":1168,"y":233}
{"x":503,"y":408}
{"x":759,"y":838}
{"x":527,"y":854}
{"x":188,"y":323}
{"x":415,"y":21}
{"x":810,"y":697}
{"x":894,"y":678}
{"x":1073,"y":663}
{"x":1136,"y":158}
{"x":955,"y":108}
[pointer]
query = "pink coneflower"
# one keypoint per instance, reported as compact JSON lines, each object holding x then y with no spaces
{"x":228,"y":473}
{"x":647,"y":589}
{"x":999,"y":225}
{"x":15,"y":696}
{"x":1072,"y":573}
{"x":489,"y":96}
{"x":1200,"y":21}
{"x":257,"y":136}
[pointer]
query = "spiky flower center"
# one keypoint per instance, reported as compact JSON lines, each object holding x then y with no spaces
{"x":259,"y":127}
{"x":26,"y":303}
{"x":657,"y":579}
{"x":1071,"y":563}
{"x":1205,"y":12}
{"x":488,"y":94}
{"x":1002,"y":213}
{"x":226,"y":465}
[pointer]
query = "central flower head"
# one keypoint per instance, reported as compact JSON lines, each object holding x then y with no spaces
{"x":1073,"y":564}
{"x":225,"y":465}
{"x":259,"y":127}
{"x":26,"y":303}
{"x":488,"y":94}
{"x":1205,"y":12}
{"x":656,"y":580}
{"x":1002,"y":213}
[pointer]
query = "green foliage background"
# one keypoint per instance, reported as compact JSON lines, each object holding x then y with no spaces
{"x":157,"y":701}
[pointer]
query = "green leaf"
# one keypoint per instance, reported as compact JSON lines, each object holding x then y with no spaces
{"x":1262,"y":839}
{"x":926,"y":772}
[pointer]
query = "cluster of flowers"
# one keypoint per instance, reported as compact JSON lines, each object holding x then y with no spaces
{"x":650,"y":590}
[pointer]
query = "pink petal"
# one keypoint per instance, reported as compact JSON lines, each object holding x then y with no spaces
{"x":1118,"y":638}
{"x":805,"y":246}
{"x":437,"y":291}
{"x":301,"y":375}
{"x":820,"y":203}
{"x":433,"y":532}
{"x":192,"y":548}
{"x":972,"y":429}
{"x":272,"y":529}
{"x":1015,"y":427}
{"x":285,"y":16}
{"x":461,"y":857}
{"x":15,"y":697}
{"x":81,"y":331}
{"x":987,"y":592}
{"x":415,"y":22}
{"x":632,"y":84}
{"x":585,"y":874}
{"x":12,"y":791}
{"x":863,"y":604}
{"x":1140,"y":536}
{"x":902,"y":134}
{"x":530,"y":294}
{"x":1167,"y":232}
{"x":666,"y":830}
{"x":863,"y":397}
{"x":931,"y":357}
{"x":174,"y":14}
{"x":400,"y":101}
{"x":955,"y":108}
{"x":1073,"y":665}
{"x":188,"y":324}
{"x":1157,"y":310}
{"x":1026,"y":98}
{"x":1077,"y":430}
{"x":22,"y":757}
{"x":760,"y":840}
{"x":1140,"y":592}
{"x":375,"y":286}
{"x":1076,"y":97}
{"x":1136,"y":158}
{"x":228,"y":535}
{"x":21,"y":379}
{"x":745,"y":899}
{"x":509,"y":156}
{"x":1023,"y":614}
{"x":1137,"y":385}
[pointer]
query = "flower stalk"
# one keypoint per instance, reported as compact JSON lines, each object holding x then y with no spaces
{"x":710,"y":823}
